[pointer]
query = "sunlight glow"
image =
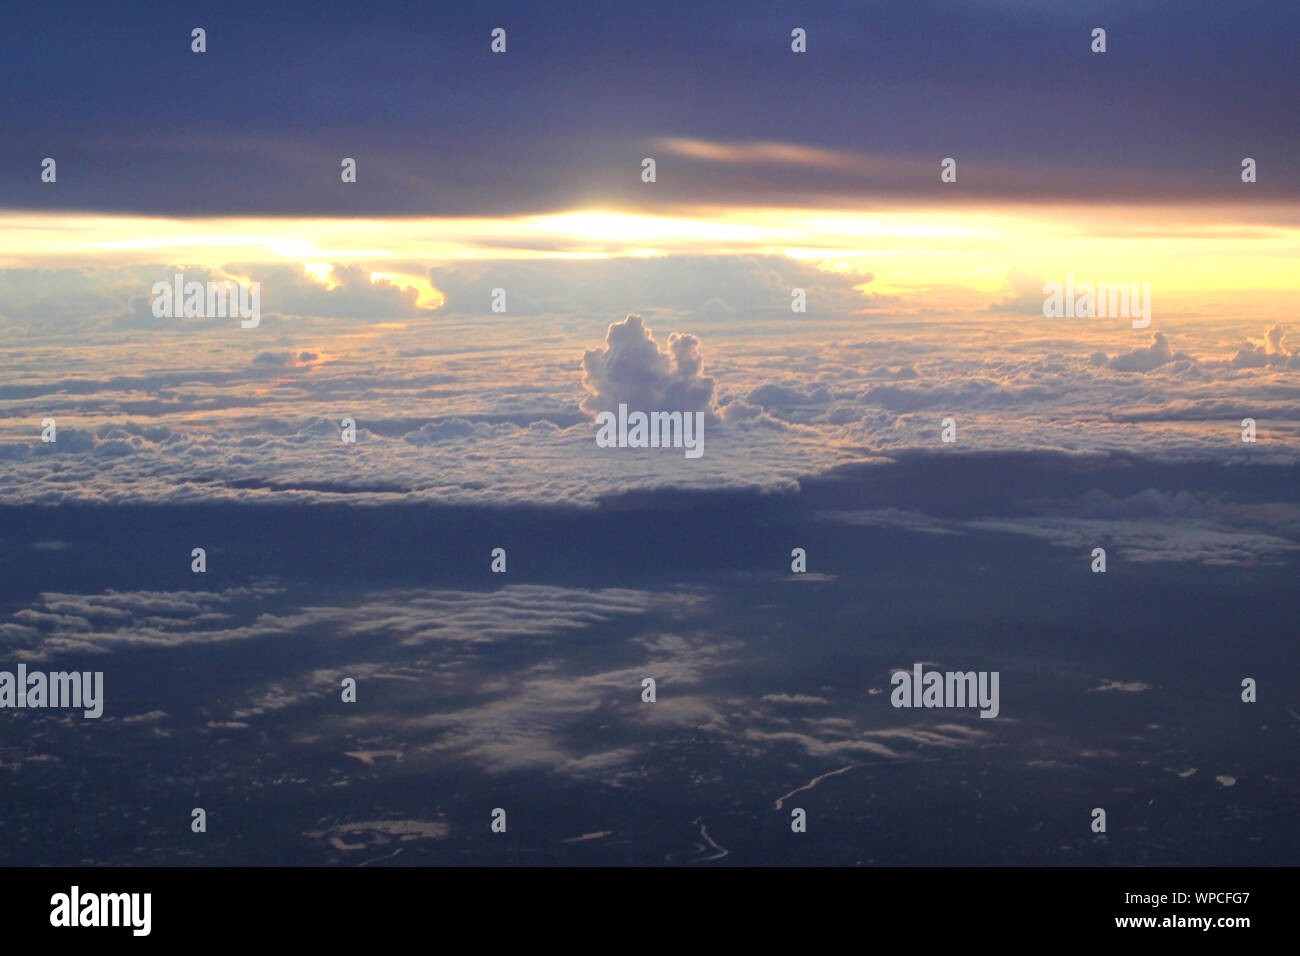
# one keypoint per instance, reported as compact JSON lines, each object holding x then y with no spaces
{"x":931,"y":257}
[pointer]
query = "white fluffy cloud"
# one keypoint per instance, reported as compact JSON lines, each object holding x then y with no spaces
{"x":631,"y":369}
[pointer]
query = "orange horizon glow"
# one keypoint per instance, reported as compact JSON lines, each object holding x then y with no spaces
{"x":1188,"y":251}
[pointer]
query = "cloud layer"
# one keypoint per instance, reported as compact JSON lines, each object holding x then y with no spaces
{"x":479,"y":407}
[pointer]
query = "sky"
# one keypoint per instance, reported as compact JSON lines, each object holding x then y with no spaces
{"x":519,"y":175}
{"x":522,"y":171}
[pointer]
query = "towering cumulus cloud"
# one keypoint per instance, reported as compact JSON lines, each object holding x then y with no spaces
{"x":1272,"y":352}
{"x":632,"y":370}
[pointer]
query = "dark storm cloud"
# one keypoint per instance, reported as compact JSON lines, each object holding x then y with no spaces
{"x":440,"y":126}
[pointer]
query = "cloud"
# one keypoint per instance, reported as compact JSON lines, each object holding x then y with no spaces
{"x":1024,"y":294}
{"x":531,"y":709}
{"x":631,"y":369}
{"x":695,"y":288}
{"x":794,"y":699}
{"x":1128,"y":687}
{"x":283,"y":157}
{"x":100,"y":623}
{"x":272,"y":358}
{"x":1149,"y":540}
{"x":957,"y":394}
{"x":1272,"y":352}
{"x":1147,"y":526}
{"x":914,"y":521}
{"x":289,"y":289}
{"x":1143,"y":359}
{"x":537,"y":718}
{"x":121,"y":298}
{"x":487,"y":408}
{"x":780,"y":395}
{"x":39,"y":298}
